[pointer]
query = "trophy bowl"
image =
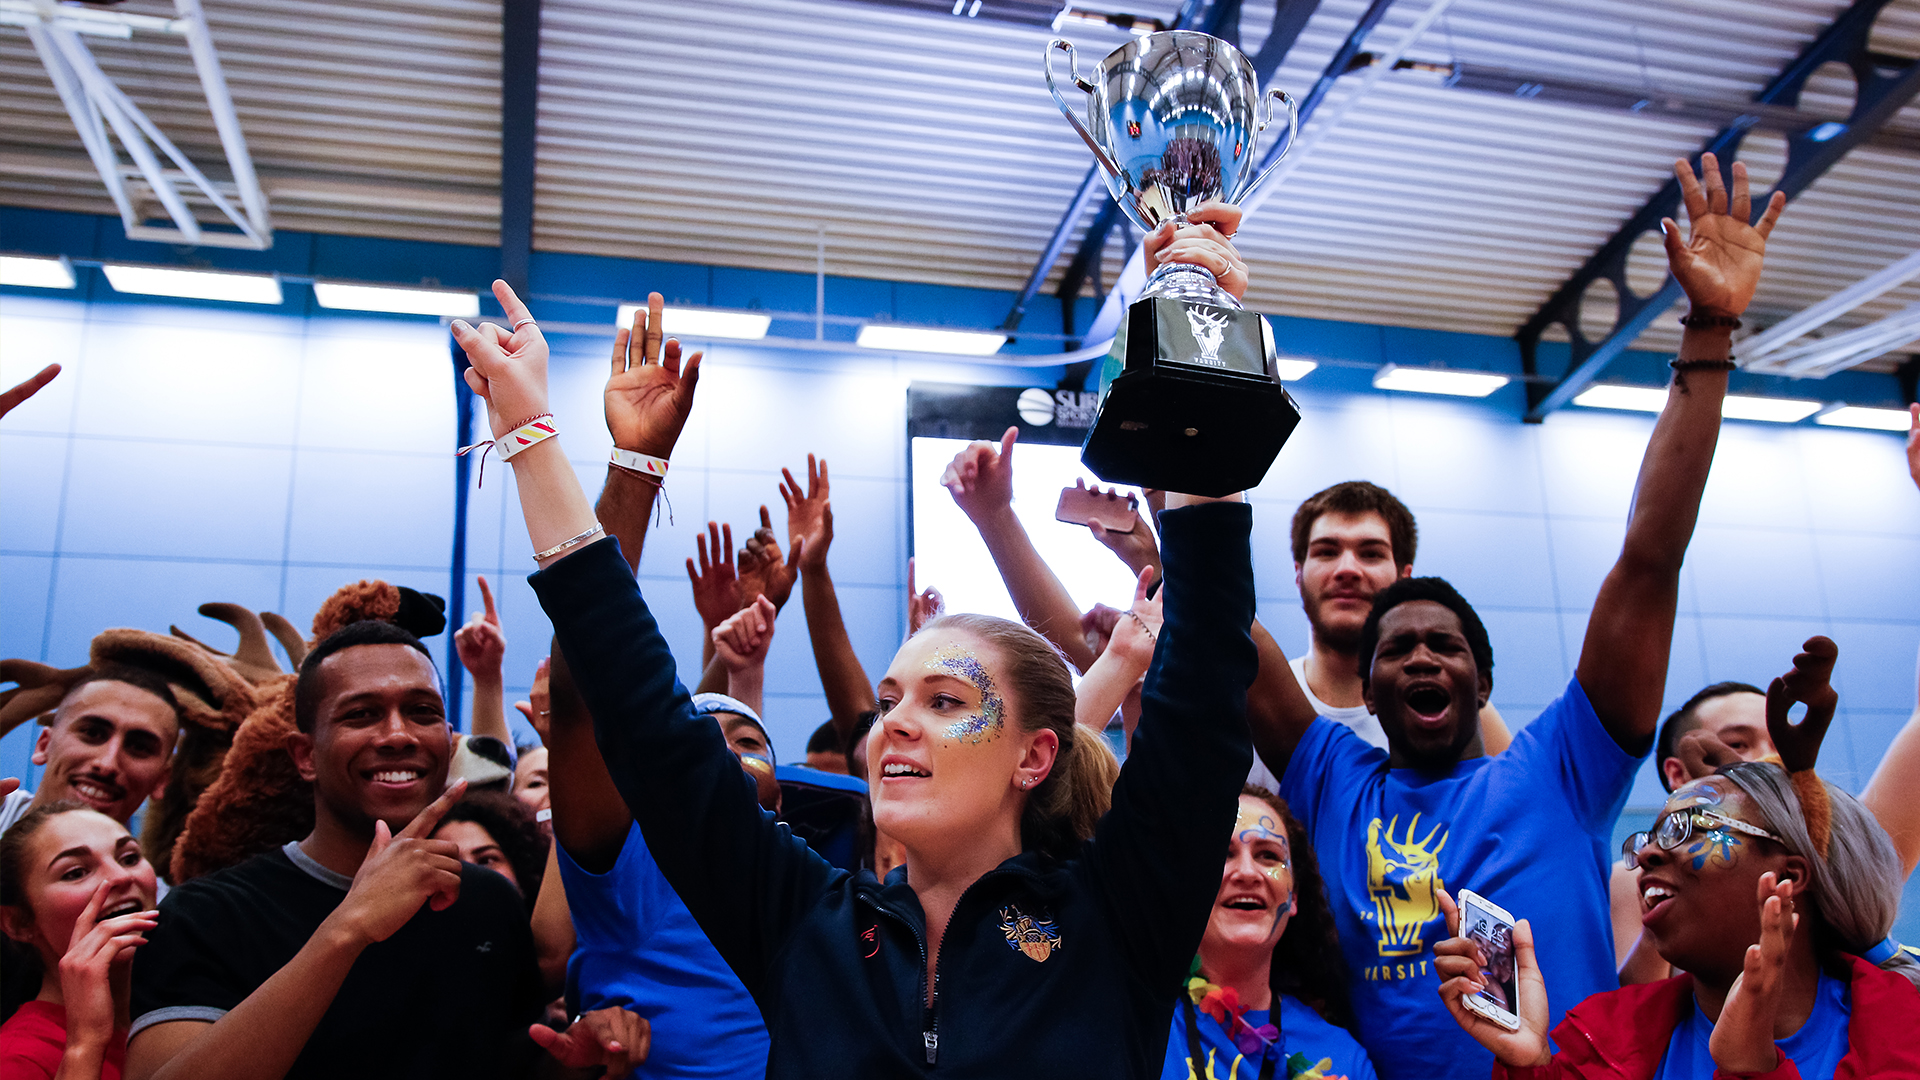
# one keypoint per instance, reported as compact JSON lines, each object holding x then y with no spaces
{"x":1172,"y":119}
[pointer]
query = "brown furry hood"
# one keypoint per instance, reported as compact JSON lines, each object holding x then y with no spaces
{"x":259,"y":801}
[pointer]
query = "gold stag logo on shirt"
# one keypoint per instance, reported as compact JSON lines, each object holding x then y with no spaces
{"x":1404,"y":881}
{"x":1038,"y":938}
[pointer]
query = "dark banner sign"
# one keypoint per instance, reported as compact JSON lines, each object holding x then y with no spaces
{"x":953,"y":411}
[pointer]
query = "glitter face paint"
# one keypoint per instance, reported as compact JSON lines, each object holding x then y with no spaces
{"x":985,"y":725}
{"x":1250,"y":825}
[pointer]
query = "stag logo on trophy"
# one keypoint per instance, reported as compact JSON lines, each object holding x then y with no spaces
{"x":1209,"y":332}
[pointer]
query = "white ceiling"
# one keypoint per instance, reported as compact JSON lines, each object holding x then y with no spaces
{"x":733,"y":132}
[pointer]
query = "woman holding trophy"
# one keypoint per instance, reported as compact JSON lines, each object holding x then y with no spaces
{"x":1007,"y":945}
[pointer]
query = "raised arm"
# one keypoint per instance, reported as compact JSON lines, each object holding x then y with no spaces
{"x":809,"y":535}
{"x":981,"y":480}
{"x":483,"y":649}
{"x":741,"y":644}
{"x":1890,"y":793}
{"x":1156,"y":853}
{"x":1623,"y":663}
{"x":1126,"y":658}
{"x":673,"y":770}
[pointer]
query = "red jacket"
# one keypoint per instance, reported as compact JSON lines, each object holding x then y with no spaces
{"x":1623,"y":1034}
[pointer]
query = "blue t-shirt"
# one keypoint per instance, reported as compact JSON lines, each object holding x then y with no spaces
{"x":1302,"y":1031}
{"x":1528,"y":829}
{"x":637,"y":947}
{"x":1816,"y":1049}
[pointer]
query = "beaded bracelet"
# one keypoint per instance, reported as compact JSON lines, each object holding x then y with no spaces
{"x":1731,"y":322}
{"x":1678,"y":364}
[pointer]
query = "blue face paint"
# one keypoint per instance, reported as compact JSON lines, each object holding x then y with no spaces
{"x":985,"y":725}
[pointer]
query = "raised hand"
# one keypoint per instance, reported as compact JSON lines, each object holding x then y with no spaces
{"x":1742,"y":1040}
{"x":1458,"y":961}
{"x":809,"y":516}
{"x":509,"y":366}
{"x":981,"y":478}
{"x":762,"y":571}
{"x":1205,"y":241}
{"x":481,"y":644}
{"x":1810,"y":683}
{"x":714,"y":595}
{"x":922,"y":607}
{"x":539,"y":709}
{"x":1913,"y":444}
{"x":27,"y":388}
{"x":98,"y":949}
{"x":615,"y":1039}
{"x":1137,"y":549}
{"x":400,"y":873}
{"x":742,"y":641}
{"x":649,"y":395}
{"x":1137,"y":630}
{"x":1718,"y":264}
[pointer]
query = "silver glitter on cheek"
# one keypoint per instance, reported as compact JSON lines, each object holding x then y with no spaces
{"x":985,"y":725}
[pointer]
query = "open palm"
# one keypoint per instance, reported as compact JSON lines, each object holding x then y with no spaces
{"x":649,"y":396}
{"x":1718,"y":264}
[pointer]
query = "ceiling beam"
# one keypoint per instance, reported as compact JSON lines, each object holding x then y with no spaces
{"x":1885,"y":84}
{"x":519,"y":98}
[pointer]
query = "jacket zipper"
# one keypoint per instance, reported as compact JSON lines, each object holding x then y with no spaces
{"x":930,"y":1035}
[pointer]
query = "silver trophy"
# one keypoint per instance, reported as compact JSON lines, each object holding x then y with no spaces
{"x":1171,"y":117}
{"x":1189,"y":397}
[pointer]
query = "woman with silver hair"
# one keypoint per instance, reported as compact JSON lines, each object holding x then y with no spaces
{"x":1775,"y":892}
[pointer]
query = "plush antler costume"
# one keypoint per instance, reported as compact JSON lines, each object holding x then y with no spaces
{"x":213,"y":699}
{"x":259,"y":801}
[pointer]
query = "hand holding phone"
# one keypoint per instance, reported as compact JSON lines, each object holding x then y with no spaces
{"x":1082,"y":505}
{"x":1491,"y":982}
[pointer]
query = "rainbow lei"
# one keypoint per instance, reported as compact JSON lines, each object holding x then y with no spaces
{"x":1223,"y":1004}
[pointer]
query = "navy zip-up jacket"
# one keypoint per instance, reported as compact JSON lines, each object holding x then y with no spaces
{"x":1049,"y":969}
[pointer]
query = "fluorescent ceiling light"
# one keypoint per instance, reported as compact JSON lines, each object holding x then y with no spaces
{"x":704,"y":322}
{"x":1771,"y":409}
{"x":920,"y":339}
{"x":1290,"y":370}
{"x":1437,"y":381}
{"x":1614,"y":396}
{"x":1859,"y":416}
{"x":444,"y":302}
{"x":35,"y":273}
{"x":194,"y":284}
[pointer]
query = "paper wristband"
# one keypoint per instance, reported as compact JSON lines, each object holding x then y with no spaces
{"x":532,"y":433}
{"x":644,"y":464}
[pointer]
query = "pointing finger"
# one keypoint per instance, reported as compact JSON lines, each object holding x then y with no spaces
{"x":1006,"y":445}
{"x":428,"y":820}
{"x":510,"y":301}
{"x":486,"y":597}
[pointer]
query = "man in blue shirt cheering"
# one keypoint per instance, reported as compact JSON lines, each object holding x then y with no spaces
{"x":1528,"y":829}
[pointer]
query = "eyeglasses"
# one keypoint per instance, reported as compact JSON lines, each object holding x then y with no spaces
{"x":1676,"y":828}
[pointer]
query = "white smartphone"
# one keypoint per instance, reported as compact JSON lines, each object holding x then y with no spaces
{"x":1489,"y":925}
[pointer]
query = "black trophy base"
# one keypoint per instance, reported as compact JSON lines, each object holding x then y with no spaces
{"x":1190,"y":402}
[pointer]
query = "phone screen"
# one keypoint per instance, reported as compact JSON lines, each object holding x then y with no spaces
{"x":1494,"y":935}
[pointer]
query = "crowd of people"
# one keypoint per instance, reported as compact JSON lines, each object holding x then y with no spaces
{"x":997,"y":858}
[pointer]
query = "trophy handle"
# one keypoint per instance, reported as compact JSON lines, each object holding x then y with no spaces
{"x":1073,"y":72}
{"x":1293,"y":132}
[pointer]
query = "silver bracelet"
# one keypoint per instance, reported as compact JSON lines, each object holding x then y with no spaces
{"x":541,"y":556}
